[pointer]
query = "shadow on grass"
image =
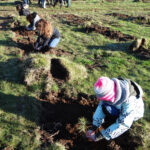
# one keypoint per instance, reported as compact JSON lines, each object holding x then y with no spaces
{"x":24,"y":106}
{"x":111,"y":46}
{"x":11,"y":71}
{"x":7,"y":4}
{"x":5,"y":24}
{"x":8,"y":43}
{"x":5,"y":18}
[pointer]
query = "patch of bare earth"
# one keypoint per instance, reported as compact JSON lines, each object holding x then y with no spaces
{"x":72,"y":19}
{"x":60,"y":114}
{"x":138,"y":47}
{"x":59,"y":122}
{"x":138,"y":19}
{"x":106,"y":31}
{"x":25,"y":39}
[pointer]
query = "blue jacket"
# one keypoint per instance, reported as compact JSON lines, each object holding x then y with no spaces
{"x":130,"y":107}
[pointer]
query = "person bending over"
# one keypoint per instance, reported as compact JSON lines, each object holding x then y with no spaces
{"x":23,"y":9}
{"x":33,"y":18}
{"x":120,"y":99}
{"x":48,"y":36}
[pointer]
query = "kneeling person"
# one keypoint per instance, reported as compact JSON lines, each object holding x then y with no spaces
{"x":48,"y":35}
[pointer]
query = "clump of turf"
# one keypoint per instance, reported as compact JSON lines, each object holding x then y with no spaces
{"x":37,"y":71}
{"x":137,"y":44}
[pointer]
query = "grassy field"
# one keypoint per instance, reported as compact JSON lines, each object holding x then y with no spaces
{"x":20,"y":111}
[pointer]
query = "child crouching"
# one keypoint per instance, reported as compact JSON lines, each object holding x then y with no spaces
{"x":120,"y":99}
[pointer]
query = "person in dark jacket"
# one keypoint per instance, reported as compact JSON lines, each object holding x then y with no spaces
{"x":120,"y":99}
{"x":33,"y":18}
{"x":23,"y":9}
{"x":48,"y":35}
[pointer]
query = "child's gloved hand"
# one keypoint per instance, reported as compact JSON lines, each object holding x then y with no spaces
{"x":91,"y":135}
{"x":98,"y":136}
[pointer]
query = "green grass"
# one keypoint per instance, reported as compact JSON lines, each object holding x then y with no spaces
{"x":19,"y":109}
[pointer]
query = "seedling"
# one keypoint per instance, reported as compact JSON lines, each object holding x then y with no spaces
{"x":83,"y":123}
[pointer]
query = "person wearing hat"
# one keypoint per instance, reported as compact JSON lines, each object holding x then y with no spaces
{"x":120,"y":99}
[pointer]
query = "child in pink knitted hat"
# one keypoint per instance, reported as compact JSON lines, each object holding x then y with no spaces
{"x":121,"y":102}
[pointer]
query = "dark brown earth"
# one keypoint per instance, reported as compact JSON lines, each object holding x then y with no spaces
{"x":72,"y":19}
{"x":143,"y":53}
{"x":138,"y":19}
{"x":59,"y":122}
{"x":106,"y":31}
{"x":140,"y":51}
{"x":25,"y":40}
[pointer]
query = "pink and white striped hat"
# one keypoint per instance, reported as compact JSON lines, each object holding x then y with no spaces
{"x":105,"y":89}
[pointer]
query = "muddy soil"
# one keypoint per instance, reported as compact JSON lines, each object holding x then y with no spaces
{"x":143,"y":53}
{"x":25,"y":40}
{"x":138,"y":19}
{"x":138,"y":48}
{"x":59,"y":122}
{"x":106,"y":31}
{"x":72,"y":19}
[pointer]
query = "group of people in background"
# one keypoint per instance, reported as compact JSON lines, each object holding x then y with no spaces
{"x":48,"y":36}
{"x":50,"y":2}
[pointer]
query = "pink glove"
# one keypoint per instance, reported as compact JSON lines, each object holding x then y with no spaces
{"x":91,"y":135}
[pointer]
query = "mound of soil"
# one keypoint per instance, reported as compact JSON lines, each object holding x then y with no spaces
{"x":22,"y":31}
{"x":137,"y":47}
{"x":138,"y":19}
{"x":72,"y":19}
{"x":57,"y":52}
{"x":25,"y":39}
{"x":143,"y":53}
{"x":106,"y":31}
{"x":59,"y":122}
